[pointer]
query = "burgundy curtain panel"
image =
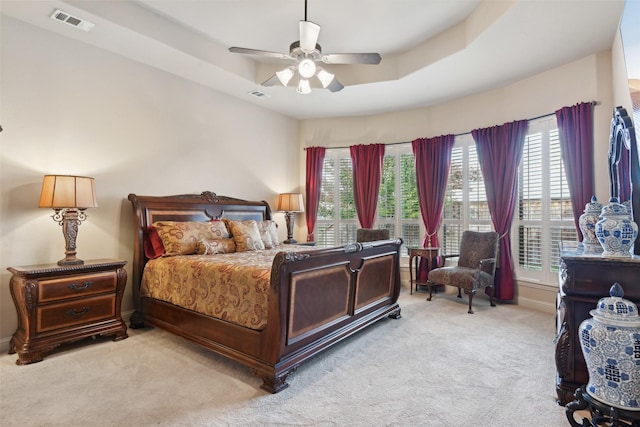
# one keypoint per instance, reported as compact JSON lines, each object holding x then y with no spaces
{"x":315,"y":160}
{"x":499,"y":152}
{"x":367,"y":173}
{"x":575,"y":129}
{"x":432,"y":160}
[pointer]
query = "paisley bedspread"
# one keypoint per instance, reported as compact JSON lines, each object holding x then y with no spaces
{"x":233,"y":287}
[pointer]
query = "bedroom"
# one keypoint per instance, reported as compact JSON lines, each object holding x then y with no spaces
{"x":68,"y":107}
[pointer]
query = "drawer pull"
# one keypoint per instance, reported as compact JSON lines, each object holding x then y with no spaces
{"x":85,"y":285}
{"x":78,"y":312}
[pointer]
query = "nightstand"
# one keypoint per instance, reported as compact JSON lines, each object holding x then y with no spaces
{"x":61,"y":304}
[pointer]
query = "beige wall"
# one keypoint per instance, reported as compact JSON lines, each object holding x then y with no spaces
{"x":73,"y":109}
{"x":621,"y":92}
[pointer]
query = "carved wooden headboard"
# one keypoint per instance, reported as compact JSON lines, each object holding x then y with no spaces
{"x":185,"y":207}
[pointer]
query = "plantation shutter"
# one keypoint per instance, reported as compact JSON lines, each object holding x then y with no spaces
{"x":530,"y":203}
{"x":453,"y":204}
{"x":561,"y":211}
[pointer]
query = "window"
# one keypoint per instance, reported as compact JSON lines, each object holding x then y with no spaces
{"x":398,"y":208}
{"x":337,"y":220}
{"x":465,"y":202}
{"x":544,"y":216}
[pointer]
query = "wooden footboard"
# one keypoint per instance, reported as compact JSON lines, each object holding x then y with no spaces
{"x":325,"y":296}
{"x":317,"y":298}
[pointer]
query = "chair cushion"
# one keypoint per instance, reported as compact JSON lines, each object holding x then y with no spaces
{"x":461,"y":277}
{"x":475,"y":246}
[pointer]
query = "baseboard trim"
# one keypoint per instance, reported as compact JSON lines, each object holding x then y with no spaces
{"x":4,"y":344}
{"x":537,"y":296}
{"x":537,"y":305}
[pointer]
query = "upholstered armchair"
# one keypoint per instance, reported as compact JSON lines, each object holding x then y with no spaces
{"x":476,"y":266}
{"x":371,"y":235}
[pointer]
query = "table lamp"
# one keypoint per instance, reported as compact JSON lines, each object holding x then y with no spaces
{"x":290,"y":203}
{"x":69,"y":196}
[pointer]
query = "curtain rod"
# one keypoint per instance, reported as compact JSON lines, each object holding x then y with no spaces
{"x":593,"y":103}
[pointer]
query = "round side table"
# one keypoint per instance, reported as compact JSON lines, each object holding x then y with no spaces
{"x":429,"y":254}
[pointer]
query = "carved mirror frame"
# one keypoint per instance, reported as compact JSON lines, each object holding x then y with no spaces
{"x":623,"y":130}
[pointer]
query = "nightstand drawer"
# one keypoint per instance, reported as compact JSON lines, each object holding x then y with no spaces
{"x":81,"y":285}
{"x":56,"y":316}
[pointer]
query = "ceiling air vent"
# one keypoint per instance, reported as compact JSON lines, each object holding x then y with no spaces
{"x":259,"y":94}
{"x":69,"y":19}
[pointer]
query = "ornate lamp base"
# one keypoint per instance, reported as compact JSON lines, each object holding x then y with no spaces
{"x":70,"y":260}
{"x":289,"y":217}
{"x":70,"y":220}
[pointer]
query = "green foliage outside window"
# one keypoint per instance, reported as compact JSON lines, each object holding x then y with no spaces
{"x":410,"y":204}
{"x":347,"y":203}
{"x":387,"y":196}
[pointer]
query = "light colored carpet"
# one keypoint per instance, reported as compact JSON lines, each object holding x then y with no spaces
{"x":436,"y":366}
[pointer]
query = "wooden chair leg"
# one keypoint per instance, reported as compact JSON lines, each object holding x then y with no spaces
{"x":470,"y":301}
{"x":459,"y":294}
{"x":492,"y":291}
{"x":429,"y":284}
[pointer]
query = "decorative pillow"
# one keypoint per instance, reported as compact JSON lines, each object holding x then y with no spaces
{"x":269,"y":233}
{"x":153,"y":247}
{"x":246,"y":235}
{"x":182,"y":237}
{"x":217,"y":246}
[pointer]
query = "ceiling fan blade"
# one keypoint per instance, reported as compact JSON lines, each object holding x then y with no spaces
{"x":335,"y":86}
{"x":247,"y":51}
{"x":273,"y":80}
{"x":352,"y":58}
{"x":309,"y":33}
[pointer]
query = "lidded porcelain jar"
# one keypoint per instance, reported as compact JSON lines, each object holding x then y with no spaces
{"x":627,"y":204}
{"x":615,"y":230}
{"x":587,"y":222}
{"x":610,"y":343}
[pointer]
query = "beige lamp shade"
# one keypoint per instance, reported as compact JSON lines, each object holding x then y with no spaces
{"x":67,"y":191}
{"x":290,"y":202}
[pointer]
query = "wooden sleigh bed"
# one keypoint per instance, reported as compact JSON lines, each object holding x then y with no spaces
{"x":316,"y":297}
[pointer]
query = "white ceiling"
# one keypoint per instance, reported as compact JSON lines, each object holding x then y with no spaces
{"x":432,"y":50}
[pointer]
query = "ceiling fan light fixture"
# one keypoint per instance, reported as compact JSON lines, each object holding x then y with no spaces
{"x":307,"y":68}
{"x":306,"y":54}
{"x":325,"y":77}
{"x":304,"y":88}
{"x":285,"y":75}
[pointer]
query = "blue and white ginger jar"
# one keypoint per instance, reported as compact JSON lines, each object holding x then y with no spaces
{"x":610,"y":343}
{"x":587,"y":223}
{"x":615,"y":230}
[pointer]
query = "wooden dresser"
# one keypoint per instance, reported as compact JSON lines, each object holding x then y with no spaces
{"x":584,"y":280}
{"x":60,"y":304}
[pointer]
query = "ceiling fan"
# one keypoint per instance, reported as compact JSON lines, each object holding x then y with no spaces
{"x":305,"y":54}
